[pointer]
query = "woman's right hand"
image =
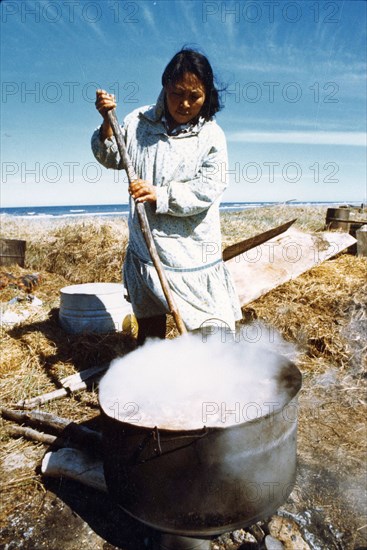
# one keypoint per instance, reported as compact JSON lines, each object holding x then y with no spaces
{"x":104,"y":103}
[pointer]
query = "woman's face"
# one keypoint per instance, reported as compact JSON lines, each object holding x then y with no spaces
{"x":185,"y":98}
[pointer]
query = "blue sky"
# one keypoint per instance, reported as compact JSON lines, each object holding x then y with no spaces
{"x":294,"y":105}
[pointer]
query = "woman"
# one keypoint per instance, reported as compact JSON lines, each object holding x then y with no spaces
{"x":180,"y":155}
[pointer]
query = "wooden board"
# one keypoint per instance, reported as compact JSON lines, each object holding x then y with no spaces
{"x":239,"y":248}
{"x":282,"y":259}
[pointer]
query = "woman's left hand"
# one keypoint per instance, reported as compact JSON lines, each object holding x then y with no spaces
{"x":142,"y":191}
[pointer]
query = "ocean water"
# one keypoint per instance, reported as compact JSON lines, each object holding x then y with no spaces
{"x":118,"y":210}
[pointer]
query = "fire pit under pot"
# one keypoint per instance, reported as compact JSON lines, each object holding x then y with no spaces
{"x":211,"y":479}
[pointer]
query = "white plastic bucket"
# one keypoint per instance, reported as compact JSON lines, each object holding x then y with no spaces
{"x":95,"y":308}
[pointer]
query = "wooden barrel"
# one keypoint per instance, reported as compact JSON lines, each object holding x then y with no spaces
{"x":12,"y":251}
{"x":338,"y":218}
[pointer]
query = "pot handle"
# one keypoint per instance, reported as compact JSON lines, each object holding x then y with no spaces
{"x":154,"y":446}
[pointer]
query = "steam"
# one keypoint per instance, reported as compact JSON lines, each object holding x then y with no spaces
{"x":195,"y":381}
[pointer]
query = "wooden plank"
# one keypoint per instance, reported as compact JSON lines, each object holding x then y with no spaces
{"x":12,"y":251}
{"x":356,"y":222}
{"x":74,"y":380}
{"x":239,"y":248}
{"x":282,"y":259}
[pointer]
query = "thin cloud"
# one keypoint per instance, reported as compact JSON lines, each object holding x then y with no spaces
{"x":100,"y":34}
{"x":269,"y":68}
{"x":148,"y":17}
{"x":355,"y":139}
{"x":188,"y":12}
{"x":298,"y":125}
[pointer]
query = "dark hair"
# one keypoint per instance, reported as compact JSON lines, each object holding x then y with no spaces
{"x":191,"y":61}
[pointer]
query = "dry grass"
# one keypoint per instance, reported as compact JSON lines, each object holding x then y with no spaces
{"x":88,"y":251}
{"x":323,"y":312}
{"x":246,"y":223}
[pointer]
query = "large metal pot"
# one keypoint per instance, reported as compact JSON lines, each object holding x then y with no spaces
{"x":206,"y":481}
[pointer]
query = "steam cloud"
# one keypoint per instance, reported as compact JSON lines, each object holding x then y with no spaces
{"x":190,"y":382}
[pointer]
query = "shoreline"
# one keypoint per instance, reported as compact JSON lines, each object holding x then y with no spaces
{"x":88,"y":238}
{"x":124,"y":211}
{"x":80,"y":212}
{"x":236,"y":223}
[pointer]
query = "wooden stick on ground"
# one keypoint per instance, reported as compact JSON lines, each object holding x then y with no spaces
{"x":61,"y":426}
{"x":75,"y":382}
{"x":33,"y":435}
{"x":46,"y":397}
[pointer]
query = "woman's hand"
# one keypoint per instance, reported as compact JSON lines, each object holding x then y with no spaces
{"x":142,"y":191}
{"x":104,"y":103}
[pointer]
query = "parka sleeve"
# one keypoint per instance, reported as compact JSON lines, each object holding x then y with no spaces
{"x":106,"y":152}
{"x":190,"y":197}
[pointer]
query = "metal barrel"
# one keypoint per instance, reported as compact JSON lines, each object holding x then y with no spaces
{"x":361,"y":235}
{"x":95,"y":308}
{"x":12,"y":251}
{"x":338,"y":218}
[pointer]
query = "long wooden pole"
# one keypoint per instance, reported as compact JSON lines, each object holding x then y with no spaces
{"x":144,"y":224}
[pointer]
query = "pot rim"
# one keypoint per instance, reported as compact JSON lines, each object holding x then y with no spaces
{"x":296,"y":386}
